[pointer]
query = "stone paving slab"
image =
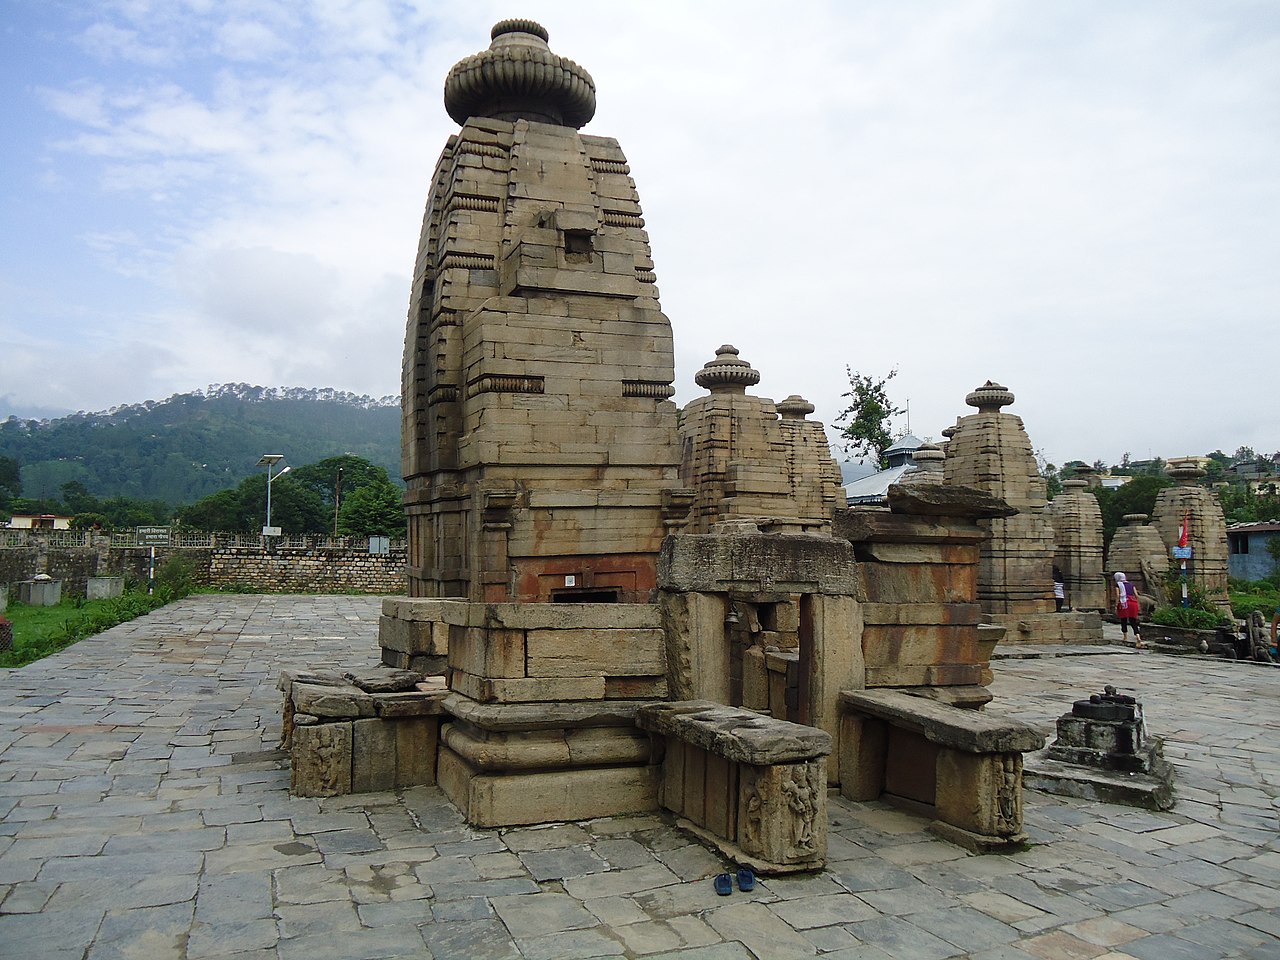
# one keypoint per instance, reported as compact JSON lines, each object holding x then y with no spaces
{"x":144,"y":812}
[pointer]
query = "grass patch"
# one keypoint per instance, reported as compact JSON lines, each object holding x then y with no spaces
{"x":41,"y":631}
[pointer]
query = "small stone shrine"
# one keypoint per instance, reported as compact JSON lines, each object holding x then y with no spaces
{"x":990,"y":451}
{"x":1077,"y":535}
{"x":612,"y":607}
{"x":1103,"y":752}
{"x":1207,"y":532}
{"x":930,"y":465}
{"x":1137,"y":551}
{"x":734,"y":445}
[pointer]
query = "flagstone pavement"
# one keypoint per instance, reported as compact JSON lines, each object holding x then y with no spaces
{"x":144,"y":813}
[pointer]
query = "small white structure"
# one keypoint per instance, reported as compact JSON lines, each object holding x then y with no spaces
{"x":40,"y":521}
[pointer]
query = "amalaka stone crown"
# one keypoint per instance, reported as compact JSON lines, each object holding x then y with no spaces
{"x":726,"y":373}
{"x":990,"y":397}
{"x":795,"y":407}
{"x":1185,"y":471}
{"x":928,"y":456}
{"x":519,"y":78}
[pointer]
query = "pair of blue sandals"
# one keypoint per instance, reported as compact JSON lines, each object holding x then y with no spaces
{"x":746,"y":881}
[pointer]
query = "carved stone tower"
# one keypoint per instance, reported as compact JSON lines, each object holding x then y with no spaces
{"x":1077,"y":533}
{"x":744,"y":463}
{"x":1207,"y":534}
{"x":539,"y":445}
{"x":991,"y":452}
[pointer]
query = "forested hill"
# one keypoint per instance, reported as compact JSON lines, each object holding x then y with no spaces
{"x":193,"y":444}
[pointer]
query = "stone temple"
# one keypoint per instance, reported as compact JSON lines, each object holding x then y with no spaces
{"x":539,"y":445}
{"x":990,"y":451}
{"x":615,"y":606}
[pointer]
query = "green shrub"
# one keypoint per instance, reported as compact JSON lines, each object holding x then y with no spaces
{"x":1197,"y":597}
{"x":1187,"y":618}
{"x":1250,"y":595}
{"x":175,"y":579}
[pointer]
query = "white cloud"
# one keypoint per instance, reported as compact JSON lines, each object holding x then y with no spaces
{"x":248,"y":40}
{"x":107,"y":42}
{"x":1079,"y":200}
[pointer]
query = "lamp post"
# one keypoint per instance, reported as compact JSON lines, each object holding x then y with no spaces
{"x":269,"y":460}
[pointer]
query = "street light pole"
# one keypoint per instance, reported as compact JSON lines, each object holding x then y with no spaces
{"x":269,"y":460}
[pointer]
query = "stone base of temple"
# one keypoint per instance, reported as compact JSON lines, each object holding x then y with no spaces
{"x":513,"y":797}
{"x":1151,"y":791}
{"x":1068,"y":627}
{"x":977,"y":842}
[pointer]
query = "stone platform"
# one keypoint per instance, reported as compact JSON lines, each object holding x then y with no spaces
{"x":1067,"y":627}
{"x":144,"y":812}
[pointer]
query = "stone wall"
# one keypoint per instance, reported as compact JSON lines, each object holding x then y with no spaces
{"x":307,"y":571}
{"x":287,"y":570}
{"x":17,"y":564}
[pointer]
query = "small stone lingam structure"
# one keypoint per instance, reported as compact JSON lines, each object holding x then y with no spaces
{"x":1103,"y":752}
{"x":990,"y":451}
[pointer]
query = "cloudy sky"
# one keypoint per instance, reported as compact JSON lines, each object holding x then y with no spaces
{"x":1080,"y":200}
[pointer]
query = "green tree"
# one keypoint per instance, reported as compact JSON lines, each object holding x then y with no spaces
{"x":374,"y":509}
{"x":218,"y":511}
{"x":77,"y":499}
{"x":322,"y":477}
{"x":294,"y":508}
{"x":1139,"y":495}
{"x":870,"y":412}
{"x":10,"y":480}
{"x":1051,"y":475}
{"x":1241,"y":505}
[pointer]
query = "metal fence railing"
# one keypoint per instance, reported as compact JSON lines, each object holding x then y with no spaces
{"x":183,"y":539}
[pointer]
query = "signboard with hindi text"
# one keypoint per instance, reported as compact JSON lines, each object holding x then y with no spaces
{"x":152,"y":536}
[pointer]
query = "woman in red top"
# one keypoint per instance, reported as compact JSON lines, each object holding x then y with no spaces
{"x":1127,"y":608}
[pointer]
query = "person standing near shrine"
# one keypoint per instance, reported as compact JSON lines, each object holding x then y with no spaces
{"x":1128,"y":608}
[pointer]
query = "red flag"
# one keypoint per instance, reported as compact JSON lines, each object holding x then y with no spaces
{"x":1182,"y":531}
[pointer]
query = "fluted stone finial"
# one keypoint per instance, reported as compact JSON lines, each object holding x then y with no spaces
{"x":1185,"y":472}
{"x":795,"y":407}
{"x":726,"y":373}
{"x":519,"y":78}
{"x":990,"y":397}
{"x":1074,"y":484}
{"x":1134,"y":519}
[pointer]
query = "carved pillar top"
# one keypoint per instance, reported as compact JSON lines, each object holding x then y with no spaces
{"x":519,"y":78}
{"x":990,"y":397}
{"x":726,"y":373}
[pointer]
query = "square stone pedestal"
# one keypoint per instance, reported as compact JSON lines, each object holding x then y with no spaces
{"x":40,"y":593}
{"x":104,"y":588}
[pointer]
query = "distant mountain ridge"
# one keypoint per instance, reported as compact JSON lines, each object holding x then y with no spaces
{"x":192,"y":444}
